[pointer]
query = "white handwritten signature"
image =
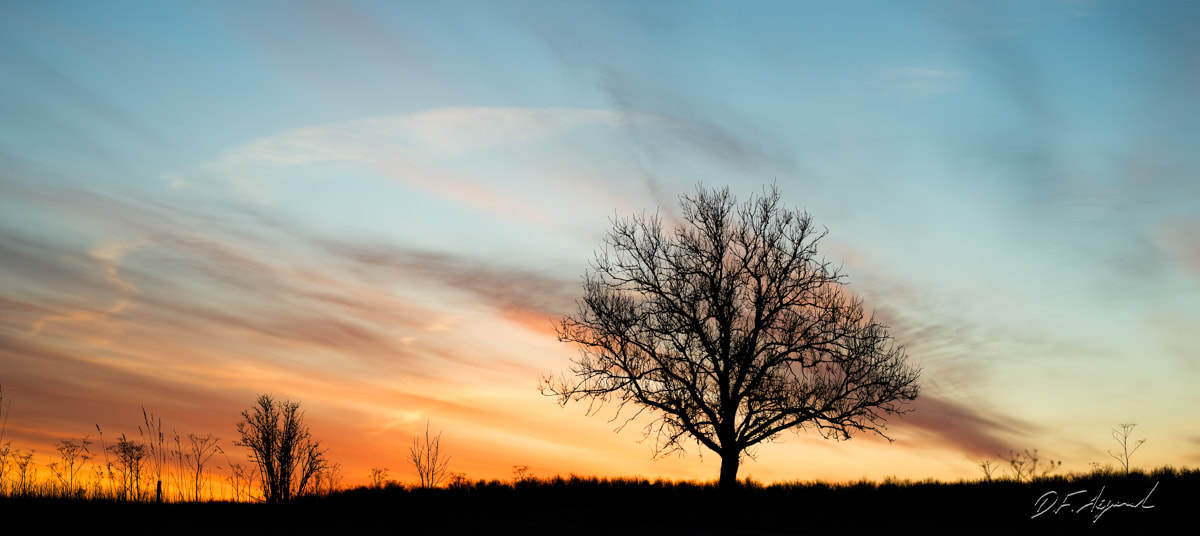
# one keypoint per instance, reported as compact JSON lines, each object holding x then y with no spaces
{"x":1050,"y":502}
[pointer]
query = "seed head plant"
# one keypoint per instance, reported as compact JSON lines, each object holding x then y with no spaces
{"x":1122,"y":438}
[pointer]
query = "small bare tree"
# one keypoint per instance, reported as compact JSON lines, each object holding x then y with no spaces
{"x":281,"y":447}
{"x":329,"y":479}
{"x":1122,"y":438}
{"x":26,"y":472}
{"x":129,"y":456}
{"x":378,"y":476}
{"x":427,"y":459}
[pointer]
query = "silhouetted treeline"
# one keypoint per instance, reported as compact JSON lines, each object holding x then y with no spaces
{"x":1138,"y":503}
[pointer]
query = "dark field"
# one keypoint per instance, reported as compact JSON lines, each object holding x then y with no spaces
{"x":1161,"y":502}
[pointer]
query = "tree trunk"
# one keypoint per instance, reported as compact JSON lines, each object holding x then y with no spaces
{"x":729,"y":469}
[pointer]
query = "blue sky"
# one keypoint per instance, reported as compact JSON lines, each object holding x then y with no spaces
{"x":379,"y":207}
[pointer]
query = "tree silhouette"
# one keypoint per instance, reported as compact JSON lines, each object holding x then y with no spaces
{"x":281,"y":447}
{"x":129,"y":455}
{"x":729,"y":329}
{"x":378,"y":476}
{"x":428,"y":460}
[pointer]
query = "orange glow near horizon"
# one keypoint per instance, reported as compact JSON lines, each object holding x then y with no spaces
{"x":372,"y":369}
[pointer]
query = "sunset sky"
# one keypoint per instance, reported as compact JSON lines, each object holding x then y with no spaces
{"x":379,"y":209}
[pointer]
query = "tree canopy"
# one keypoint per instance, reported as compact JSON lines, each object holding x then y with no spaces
{"x":287,"y":457}
{"x":728,"y":329}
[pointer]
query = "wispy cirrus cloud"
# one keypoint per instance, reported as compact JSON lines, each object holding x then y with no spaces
{"x":424,"y":150}
{"x":525,"y":294}
{"x":175,"y":299}
{"x":919,"y":81}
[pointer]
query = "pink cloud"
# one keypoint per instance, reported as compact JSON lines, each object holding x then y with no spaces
{"x":978,"y":433}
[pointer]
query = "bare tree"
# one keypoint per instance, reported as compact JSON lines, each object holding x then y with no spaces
{"x":729,"y":329}
{"x":26,"y":472}
{"x":281,"y":447}
{"x":129,"y":456}
{"x":1122,"y":438}
{"x":378,"y":476}
{"x":329,"y":479}
{"x":427,"y":459}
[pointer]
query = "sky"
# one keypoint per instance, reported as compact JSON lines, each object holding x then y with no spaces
{"x":379,"y":209}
